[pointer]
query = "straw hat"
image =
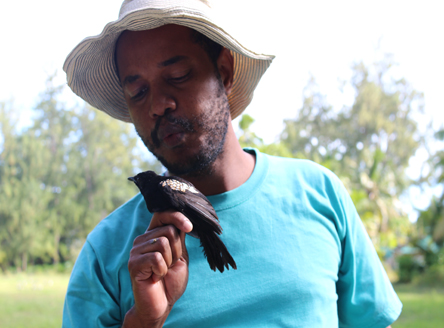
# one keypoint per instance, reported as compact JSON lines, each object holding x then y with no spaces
{"x":90,"y":66}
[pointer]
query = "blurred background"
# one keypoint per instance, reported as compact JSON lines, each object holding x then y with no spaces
{"x":356,"y":86}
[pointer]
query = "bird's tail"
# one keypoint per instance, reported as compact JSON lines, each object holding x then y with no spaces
{"x":216,"y":253}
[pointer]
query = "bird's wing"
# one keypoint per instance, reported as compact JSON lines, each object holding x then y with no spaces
{"x":192,"y":203}
{"x":203,"y":212}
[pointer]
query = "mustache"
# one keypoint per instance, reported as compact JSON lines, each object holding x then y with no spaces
{"x":168,"y":118}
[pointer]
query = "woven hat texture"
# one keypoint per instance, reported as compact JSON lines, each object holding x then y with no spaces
{"x":90,"y":68}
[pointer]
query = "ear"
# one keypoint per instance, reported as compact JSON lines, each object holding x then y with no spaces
{"x":225,"y":64}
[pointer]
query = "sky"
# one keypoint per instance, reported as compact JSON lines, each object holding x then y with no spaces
{"x":309,"y":38}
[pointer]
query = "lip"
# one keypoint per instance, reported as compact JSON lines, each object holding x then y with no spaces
{"x":171,"y":135}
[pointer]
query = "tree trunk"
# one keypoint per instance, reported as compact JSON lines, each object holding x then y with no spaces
{"x":56,"y":248}
{"x":24,"y":261}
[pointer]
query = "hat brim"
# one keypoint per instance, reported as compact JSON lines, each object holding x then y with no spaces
{"x":91,"y":72}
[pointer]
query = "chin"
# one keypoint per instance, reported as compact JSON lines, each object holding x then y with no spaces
{"x":196,"y":164}
{"x":192,"y":166}
{"x":196,"y":155}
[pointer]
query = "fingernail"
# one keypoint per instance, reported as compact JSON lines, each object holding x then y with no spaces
{"x":188,"y":226}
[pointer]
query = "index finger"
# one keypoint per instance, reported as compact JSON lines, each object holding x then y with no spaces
{"x":175,"y":218}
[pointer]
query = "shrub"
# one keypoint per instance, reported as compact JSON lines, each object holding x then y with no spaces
{"x":408,"y":268}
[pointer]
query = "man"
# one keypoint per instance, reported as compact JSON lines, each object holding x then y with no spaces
{"x":302,"y":254}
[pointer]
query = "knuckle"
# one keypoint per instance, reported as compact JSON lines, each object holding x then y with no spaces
{"x":172,"y":231}
{"x":163,"y":242}
{"x":132,"y":264}
{"x":138,"y":240}
{"x":157,"y":258}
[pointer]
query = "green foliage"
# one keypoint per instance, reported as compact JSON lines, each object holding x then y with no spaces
{"x":434,"y":272}
{"x":22,"y":199}
{"x":429,"y":235}
{"x":368,"y":145}
{"x":433,"y":276}
{"x":59,"y":178}
{"x":408,"y":268}
{"x":249,"y":139}
{"x":431,"y":220}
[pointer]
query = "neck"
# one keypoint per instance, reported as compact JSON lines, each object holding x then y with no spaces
{"x":230,"y":170}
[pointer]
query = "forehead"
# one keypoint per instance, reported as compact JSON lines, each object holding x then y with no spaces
{"x":156,"y":43}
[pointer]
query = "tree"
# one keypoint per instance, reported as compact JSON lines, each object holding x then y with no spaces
{"x":429,"y":235}
{"x":53,"y":128}
{"x":22,"y":198}
{"x":60,"y":177}
{"x":248,"y":138}
{"x":368,"y":145}
{"x":104,"y":156}
{"x":91,"y":156}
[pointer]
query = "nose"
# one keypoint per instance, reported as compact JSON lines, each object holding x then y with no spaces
{"x":161,"y":101}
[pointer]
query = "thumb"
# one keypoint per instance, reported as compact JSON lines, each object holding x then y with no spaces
{"x":175,"y":218}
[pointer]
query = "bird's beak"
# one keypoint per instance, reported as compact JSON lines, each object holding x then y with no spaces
{"x":132,"y":179}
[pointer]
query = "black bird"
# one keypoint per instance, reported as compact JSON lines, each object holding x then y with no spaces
{"x":163,"y":193}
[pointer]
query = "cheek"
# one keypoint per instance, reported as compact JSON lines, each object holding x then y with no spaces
{"x":136,"y":114}
{"x":207,"y":84}
{"x":143,"y":128}
{"x":139,"y":117}
{"x":203,"y":98}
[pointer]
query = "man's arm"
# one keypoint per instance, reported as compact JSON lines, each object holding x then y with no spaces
{"x":88,"y":300}
{"x":364,"y":291}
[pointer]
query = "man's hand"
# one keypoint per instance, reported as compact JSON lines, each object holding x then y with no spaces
{"x":158,"y":267}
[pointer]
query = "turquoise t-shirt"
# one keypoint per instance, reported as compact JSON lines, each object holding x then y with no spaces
{"x":303,"y":259}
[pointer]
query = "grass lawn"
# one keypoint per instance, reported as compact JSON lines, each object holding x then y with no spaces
{"x":423,"y":307}
{"x":34,"y":301}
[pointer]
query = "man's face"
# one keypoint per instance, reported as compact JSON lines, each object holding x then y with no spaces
{"x":175,"y":96}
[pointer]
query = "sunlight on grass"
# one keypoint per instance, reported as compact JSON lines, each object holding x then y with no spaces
{"x":36,"y":301}
{"x":423,"y":307}
{"x":32,"y":300}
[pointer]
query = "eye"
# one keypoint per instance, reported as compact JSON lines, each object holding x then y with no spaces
{"x":139,"y":95}
{"x":180,"y":79}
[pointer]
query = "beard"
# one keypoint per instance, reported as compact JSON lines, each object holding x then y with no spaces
{"x":212,"y":124}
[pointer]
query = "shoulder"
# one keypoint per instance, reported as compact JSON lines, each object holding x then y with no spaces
{"x":313,"y":187}
{"x":305,"y":172}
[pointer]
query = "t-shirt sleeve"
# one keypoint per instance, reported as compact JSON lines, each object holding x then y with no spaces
{"x":88,"y":303}
{"x":366,"y":297}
